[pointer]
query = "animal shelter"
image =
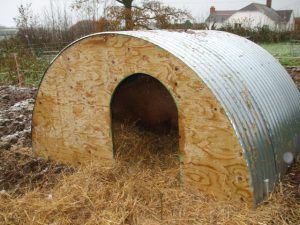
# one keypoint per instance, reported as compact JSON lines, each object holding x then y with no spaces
{"x":231,"y":107}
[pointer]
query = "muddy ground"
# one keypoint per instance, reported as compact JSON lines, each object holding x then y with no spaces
{"x":20,"y":170}
{"x":15,"y":116}
{"x":295,"y":74}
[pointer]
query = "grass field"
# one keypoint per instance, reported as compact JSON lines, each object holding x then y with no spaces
{"x":287,"y":53}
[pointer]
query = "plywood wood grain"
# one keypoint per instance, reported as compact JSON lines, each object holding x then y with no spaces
{"x":71,"y":120}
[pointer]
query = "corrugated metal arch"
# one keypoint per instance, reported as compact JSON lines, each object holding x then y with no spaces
{"x":259,"y":97}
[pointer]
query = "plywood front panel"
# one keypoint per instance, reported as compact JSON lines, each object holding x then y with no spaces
{"x":71,"y":121}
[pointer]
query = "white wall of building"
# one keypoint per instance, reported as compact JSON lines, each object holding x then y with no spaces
{"x":291,"y":24}
{"x":252,"y":19}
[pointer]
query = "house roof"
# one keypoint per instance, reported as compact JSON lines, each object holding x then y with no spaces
{"x":285,"y":14}
{"x":269,"y":12}
{"x":276,"y":15}
{"x":220,"y":16}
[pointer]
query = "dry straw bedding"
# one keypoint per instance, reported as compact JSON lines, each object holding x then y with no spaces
{"x":144,"y":192}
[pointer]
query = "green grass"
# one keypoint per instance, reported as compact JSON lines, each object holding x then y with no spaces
{"x":32,"y":62}
{"x":289,"y":62}
{"x":32,"y":69}
{"x":287,"y":53}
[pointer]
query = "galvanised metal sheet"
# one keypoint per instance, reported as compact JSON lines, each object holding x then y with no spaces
{"x":258,"y":95}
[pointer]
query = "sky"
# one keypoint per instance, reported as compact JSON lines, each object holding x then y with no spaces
{"x":198,"y":8}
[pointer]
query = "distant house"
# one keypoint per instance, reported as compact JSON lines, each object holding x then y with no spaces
{"x":252,"y":16}
{"x":297,"y":23}
{"x":7,"y":32}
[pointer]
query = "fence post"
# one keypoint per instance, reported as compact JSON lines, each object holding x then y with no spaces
{"x":20,"y":77}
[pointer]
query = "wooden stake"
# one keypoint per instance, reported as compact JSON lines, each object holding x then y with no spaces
{"x":20,"y":77}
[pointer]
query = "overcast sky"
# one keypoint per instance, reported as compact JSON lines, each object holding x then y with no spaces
{"x":199,"y":8}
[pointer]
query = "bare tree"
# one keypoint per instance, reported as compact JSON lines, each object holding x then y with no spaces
{"x":25,"y":22}
{"x":24,"y":16}
{"x":148,"y":15}
{"x":50,"y":26}
{"x":88,"y":9}
{"x":127,"y":12}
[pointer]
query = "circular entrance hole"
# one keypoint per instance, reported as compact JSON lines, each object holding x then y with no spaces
{"x":144,"y":122}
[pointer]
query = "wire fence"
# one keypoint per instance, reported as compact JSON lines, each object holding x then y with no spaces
{"x":26,"y":63}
